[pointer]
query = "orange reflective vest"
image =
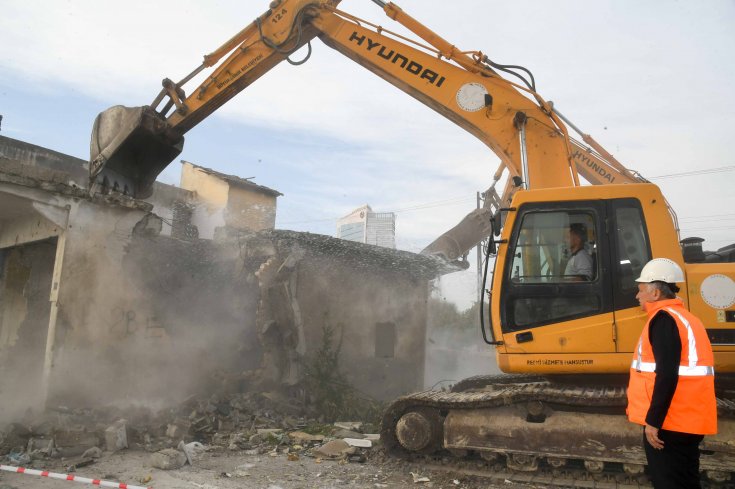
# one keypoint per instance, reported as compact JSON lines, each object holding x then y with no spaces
{"x":693,"y":408}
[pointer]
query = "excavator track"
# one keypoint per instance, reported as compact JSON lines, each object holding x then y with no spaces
{"x":530,"y":429}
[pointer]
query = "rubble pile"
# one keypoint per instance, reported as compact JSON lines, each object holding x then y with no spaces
{"x":255,"y":423}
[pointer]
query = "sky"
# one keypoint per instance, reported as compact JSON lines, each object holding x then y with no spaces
{"x":651,"y":81}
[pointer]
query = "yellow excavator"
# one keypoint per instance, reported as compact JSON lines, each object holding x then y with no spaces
{"x":568,"y":337}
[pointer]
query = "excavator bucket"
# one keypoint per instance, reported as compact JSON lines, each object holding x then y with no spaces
{"x":130,"y":147}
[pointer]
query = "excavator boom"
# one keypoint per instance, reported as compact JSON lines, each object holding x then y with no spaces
{"x":131,"y":146}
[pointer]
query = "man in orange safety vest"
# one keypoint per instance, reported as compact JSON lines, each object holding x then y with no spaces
{"x":671,"y":390}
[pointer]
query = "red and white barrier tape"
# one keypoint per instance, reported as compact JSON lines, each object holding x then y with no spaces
{"x":69,"y":477}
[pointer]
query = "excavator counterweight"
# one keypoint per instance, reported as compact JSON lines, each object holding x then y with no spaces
{"x":130,"y":146}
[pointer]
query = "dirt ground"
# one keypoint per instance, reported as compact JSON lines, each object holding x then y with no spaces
{"x":223,"y":469}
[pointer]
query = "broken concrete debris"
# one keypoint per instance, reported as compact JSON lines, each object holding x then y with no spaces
{"x":348,"y":434}
{"x":301,"y":437}
{"x":191,"y":450}
{"x":248,"y":423}
{"x":335,"y":449}
{"x":75,"y":441}
{"x":93,"y":452}
{"x":349,"y":425}
{"x":358,"y":442}
{"x":175,"y":431}
{"x":116,"y":436}
{"x":419,"y":479}
{"x":77,"y":462}
{"x":168,"y":459}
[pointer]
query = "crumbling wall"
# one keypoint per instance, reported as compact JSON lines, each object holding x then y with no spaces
{"x":379,"y":315}
{"x":147,"y":319}
{"x":376,"y":311}
{"x":94,"y":349}
{"x":30,"y":155}
{"x":247,"y":209}
{"x":211,"y":199}
{"x":160,"y":316}
{"x":25,"y":284}
{"x":175,"y":207}
{"x":139,"y":318}
{"x":203,"y":298}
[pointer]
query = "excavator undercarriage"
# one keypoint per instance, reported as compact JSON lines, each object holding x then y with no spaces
{"x":555,"y":433}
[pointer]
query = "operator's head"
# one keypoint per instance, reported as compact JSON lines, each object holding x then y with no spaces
{"x":577,"y":236}
{"x":658,"y":281}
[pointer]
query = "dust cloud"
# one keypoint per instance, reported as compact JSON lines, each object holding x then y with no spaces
{"x":143,"y":319}
{"x":455,"y":349}
{"x":147,"y":320}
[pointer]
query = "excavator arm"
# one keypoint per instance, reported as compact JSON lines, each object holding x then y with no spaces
{"x":131,"y":146}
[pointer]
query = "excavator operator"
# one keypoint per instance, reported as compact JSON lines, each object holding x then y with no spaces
{"x":579,"y":266}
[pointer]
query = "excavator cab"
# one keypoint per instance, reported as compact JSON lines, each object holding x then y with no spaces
{"x":565,"y":276}
{"x":129,"y":147}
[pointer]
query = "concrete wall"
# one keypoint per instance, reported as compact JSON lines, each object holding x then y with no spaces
{"x":174,"y":206}
{"x":25,"y":286}
{"x":146,"y":319}
{"x":58,"y":319}
{"x":250,"y":210}
{"x":373,"y":299}
{"x":210,"y":190}
{"x":159,"y":316}
{"x":362,"y":306}
{"x":75,"y":169}
{"x":190,"y":316}
{"x":211,"y":199}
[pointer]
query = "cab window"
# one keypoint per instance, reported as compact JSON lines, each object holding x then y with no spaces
{"x":555,"y":247}
{"x":633,"y":250}
{"x":553,"y":270}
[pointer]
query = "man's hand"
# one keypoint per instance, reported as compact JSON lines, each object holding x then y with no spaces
{"x":652,"y":437}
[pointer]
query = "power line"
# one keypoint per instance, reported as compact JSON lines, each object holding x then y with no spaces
{"x":705,"y":171}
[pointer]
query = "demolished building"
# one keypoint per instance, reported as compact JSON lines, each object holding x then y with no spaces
{"x":106,"y":299}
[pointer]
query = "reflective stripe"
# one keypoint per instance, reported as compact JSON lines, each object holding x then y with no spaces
{"x":643,"y":366}
{"x":691,"y":342}
{"x":684,"y":371}
{"x":698,"y":371}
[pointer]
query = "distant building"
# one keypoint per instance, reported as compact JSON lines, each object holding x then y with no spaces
{"x":365,"y":226}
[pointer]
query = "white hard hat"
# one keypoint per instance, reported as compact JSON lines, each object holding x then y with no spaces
{"x":661,"y":270}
